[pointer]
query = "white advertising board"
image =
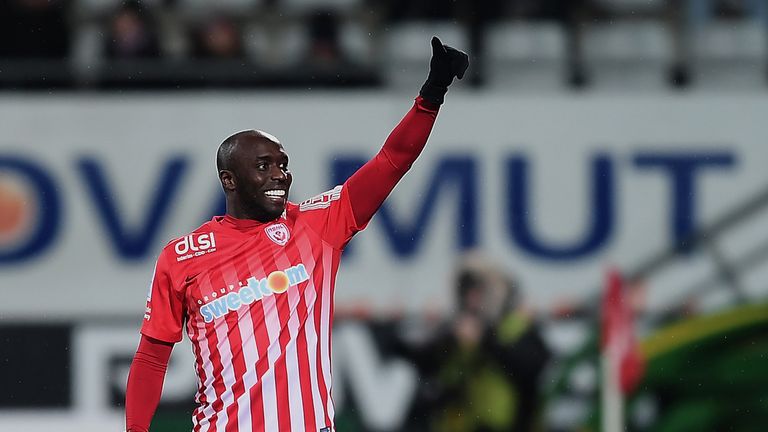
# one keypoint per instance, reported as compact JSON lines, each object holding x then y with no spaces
{"x":555,"y":189}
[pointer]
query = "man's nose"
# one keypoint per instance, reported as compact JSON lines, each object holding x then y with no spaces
{"x":279,"y":174}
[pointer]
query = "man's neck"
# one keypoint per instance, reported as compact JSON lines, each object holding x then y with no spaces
{"x":239,"y":212}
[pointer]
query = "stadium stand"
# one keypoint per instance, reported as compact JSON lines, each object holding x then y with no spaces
{"x":521,"y":45}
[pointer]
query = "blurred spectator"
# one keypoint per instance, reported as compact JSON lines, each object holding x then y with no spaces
{"x":481,"y":372}
{"x":324,"y":46}
{"x":132,"y":33}
{"x":34,"y":29}
{"x":488,"y":10}
{"x":422,"y":9}
{"x":702,"y":11}
{"x":218,"y":38}
{"x":553,"y":10}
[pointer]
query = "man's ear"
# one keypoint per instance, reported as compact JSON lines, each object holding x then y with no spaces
{"x":227,"y":180}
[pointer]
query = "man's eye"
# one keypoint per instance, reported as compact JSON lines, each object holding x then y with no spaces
{"x":284,"y":166}
{"x":262,"y":166}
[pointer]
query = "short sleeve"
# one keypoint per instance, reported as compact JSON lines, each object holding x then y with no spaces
{"x":164,"y":314}
{"x":330,"y":215}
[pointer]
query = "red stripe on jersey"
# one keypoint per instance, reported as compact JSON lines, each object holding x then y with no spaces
{"x":229,"y":372}
{"x":261,"y":339}
{"x":206,"y":418}
{"x":322,"y":383}
{"x":280,"y":367}
{"x":314,"y":417}
{"x":215,"y":358}
{"x":235,"y":342}
{"x":296,"y":389}
{"x":259,"y":413}
{"x":217,"y":385}
{"x":276,"y":317}
{"x":323,"y":353}
{"x":248,"y":412}
{"x":305,"y":379}
{"x":225,"y":399}
{"x":270,"y":378}
{"x":194,"y":337}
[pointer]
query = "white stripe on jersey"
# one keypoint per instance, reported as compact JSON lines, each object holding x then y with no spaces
{"x":192,"y":333}
{"x":227,"y":372}
{"x":325,"y":327}
{"x":295,"y":404}
{"x":268,"y":385}
{"x":310,"y":295}
{"x":251,"y":357}
{"x":210,"y":392}
{"x":292,"y":364}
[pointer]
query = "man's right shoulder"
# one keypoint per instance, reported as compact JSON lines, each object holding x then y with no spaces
{"x":195,"y":243}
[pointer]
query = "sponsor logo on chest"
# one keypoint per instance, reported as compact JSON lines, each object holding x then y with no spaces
{"x":220,"y":302}
{"x":192,"y":245}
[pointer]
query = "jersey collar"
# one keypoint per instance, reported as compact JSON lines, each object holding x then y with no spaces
{"x":242,"y":224}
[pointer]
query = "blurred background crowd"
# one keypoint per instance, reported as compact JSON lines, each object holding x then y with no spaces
{"x":658,"y":105}
{"x":244,"y":43}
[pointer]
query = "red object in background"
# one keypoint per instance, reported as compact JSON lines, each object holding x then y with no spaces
{"x":618,"y":334}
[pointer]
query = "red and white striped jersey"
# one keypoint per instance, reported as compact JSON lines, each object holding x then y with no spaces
{"x":256,"y":300}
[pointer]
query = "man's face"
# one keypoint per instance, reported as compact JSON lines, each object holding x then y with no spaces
{"x":262,"y":178}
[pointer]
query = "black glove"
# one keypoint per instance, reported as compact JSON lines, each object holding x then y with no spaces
{"x":447,"y":62}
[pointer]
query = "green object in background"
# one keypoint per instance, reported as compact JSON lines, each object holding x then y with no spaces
{"x":171,"y":422}
{"x":484,"y":396}
{"x":708,"y":373}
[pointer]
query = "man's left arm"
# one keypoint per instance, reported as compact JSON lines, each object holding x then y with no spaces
{"x":369,"y":186}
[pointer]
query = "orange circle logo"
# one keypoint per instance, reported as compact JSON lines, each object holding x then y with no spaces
{"x":277,"y":281}
{"x":14,"y":210}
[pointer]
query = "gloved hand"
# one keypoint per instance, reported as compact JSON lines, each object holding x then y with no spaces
{"x":446,"y":63}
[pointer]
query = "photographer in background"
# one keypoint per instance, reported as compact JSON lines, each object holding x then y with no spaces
{"x":481,"y":371}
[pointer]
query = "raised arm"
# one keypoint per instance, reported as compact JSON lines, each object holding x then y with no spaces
{"x":145,"y":383}
{"x":371,"y":184}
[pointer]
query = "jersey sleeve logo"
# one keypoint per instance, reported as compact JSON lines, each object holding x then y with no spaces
{"x":321,"y":201}
{"x":278,"y":233}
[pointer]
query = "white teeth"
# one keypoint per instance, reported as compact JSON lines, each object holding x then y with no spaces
{"x":277,"y":193}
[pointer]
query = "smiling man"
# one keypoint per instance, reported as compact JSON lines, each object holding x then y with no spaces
{"x":253,"y":289}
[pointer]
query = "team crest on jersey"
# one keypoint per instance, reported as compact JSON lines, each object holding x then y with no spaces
{"x":278,"y":233}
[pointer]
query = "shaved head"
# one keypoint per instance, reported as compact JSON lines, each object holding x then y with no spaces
{"x":227,"y":149}
{"x":253,"y":170}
